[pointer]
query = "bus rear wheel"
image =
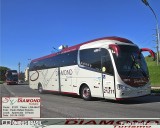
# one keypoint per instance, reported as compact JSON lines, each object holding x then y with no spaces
{"x":40,"y":89}
{"x":86,"y":93}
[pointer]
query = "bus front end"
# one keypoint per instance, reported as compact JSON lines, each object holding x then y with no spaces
{"x":11,"y":77}
{"x":131,"y":72}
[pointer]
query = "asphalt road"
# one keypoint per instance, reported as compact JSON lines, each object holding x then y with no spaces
{"x":65,"y":106}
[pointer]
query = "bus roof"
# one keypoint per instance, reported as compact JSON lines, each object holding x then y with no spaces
{"x":76,"y":47}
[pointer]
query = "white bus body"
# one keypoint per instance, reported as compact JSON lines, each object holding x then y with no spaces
{"x":110,"y":68}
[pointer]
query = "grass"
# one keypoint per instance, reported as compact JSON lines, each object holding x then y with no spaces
{"x":154,"y":72}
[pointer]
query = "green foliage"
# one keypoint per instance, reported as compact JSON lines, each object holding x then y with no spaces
{"x":155,"y":90}
{"x":2,"y":72}
{"x":154,"y":71}
{"x":1,"y":82}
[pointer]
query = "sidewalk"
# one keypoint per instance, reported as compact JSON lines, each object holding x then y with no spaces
{"x":155,"y":87}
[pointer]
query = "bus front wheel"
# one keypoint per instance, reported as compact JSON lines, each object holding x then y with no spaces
{"x":40,"y":89}
{"x":86,"y":93}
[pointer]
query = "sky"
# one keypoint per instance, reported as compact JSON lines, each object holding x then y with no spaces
{"x":31,"y":28}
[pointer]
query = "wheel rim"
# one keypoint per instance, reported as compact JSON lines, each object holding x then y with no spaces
{"x":86,"y":92}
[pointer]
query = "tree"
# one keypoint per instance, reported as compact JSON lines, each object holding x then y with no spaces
{"x":2,"y":73}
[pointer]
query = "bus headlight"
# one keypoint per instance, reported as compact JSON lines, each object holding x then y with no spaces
{"x":123,"y":87}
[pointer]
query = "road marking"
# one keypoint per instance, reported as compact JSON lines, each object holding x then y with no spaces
{"x":12,"y":93}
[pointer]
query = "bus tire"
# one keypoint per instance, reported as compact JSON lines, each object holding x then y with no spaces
{"x":86,"y":93}
{"x":40,"y":89}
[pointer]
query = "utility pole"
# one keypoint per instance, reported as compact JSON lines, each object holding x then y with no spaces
{"x":157,"y":29}
{"x":29,"y":61}
{"x":157,"y":46}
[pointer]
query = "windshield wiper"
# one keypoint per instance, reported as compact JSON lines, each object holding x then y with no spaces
{"x":143,"y":72}
{"x":134,"y":63}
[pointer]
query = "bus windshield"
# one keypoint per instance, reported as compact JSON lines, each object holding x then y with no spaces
{"x":11,"y":75}
{"x":130,"y":64}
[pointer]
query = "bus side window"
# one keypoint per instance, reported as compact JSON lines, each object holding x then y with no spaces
{"x":67,"y":59}
{"x":91,"y":58}
{"x":106,"y":62}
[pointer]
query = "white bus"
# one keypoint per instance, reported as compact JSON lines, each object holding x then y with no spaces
{"x":109,"y":67}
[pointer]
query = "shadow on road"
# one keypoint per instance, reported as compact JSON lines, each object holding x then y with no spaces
{"x":5,"y":84}
{"x":138,"y":100}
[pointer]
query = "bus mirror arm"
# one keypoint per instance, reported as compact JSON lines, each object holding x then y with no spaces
{"x":150,"y":51}
{"x":115,"y":49}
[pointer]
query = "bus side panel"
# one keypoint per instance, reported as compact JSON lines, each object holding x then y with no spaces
{"x":68,"y":79}
{"x":66,"y":76}
{"x":72,"y":77}
{"x":92,"y":79}
{"x":34,"y":79}
{"x":48,"y":78}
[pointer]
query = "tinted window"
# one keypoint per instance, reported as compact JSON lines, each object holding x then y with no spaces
{"x":32,"y":66}
{"x":130,"y":63}
{"x":91,"y":58}
{"x":106,"y":63}
{"x":65,"y":59}
{"x":50,"y":62}
{"x":12,"y":75}
{"x":97,"y":59}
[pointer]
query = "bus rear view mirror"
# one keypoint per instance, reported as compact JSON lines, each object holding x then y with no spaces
{"x":115,"y":49}
{"x":150,"y":51}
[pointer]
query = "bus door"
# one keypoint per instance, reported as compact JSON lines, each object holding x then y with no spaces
{"x":107,"y":76}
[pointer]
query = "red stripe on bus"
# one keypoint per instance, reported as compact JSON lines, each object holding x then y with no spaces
{"x":76,"y":47}
{"x":70,"y":93}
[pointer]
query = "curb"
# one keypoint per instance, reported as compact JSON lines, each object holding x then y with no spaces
{"x":155,"y":88}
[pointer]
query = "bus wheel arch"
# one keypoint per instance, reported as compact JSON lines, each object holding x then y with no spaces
{"x":40,"y":88}
{"x":85,"y":92}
